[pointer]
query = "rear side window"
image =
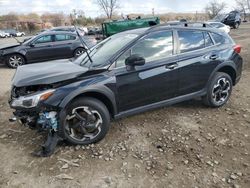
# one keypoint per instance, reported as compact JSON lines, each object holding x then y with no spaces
{"x":64,"y":37}
{"x":208,"y":40}
{"x":191,"y":40}
{"x":220,"y":39}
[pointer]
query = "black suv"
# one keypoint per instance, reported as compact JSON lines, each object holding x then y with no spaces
{"x":233,"y":19}
{"x":46,"y":46}
{"x":125,"y":74}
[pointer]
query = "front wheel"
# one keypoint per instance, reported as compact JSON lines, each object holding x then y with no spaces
{"x":15,"y":60}
{"x":219,"y":90}
{"x":236,"y":25}
{"x":85,"y":121}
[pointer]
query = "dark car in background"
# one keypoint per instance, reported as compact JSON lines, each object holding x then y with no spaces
{"x":43,"y":47}
{"x":127,"y":73}
{"x":232,"y":19}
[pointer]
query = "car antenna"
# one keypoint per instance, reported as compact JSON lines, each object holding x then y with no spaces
{"x":83,"y":43}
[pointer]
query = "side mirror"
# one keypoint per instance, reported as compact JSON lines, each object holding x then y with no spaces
{"x":32,"y":44}
{"x":135,"y":60}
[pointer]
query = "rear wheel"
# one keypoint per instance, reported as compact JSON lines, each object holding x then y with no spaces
{"x":78,"y":52}
{"x":15,"y":60}
{"x":219,"y":90}
{"x":85,"y":121}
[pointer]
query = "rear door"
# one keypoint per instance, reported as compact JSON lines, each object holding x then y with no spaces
{"x":198,"y":56}
{"x":153,"y":82}
{"x":63,"y":46}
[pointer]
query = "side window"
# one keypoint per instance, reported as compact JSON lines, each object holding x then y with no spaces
{"x":191,"y":40}
{"x":220,"y":39}
{"x":44,"y":39}
{"x":208,"y":40}
{"x":153,"y":47}
{"x":62,"y":37}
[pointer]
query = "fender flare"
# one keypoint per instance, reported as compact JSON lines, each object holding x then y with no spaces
{"x":103,"y":90}
{"x":225,"y":64}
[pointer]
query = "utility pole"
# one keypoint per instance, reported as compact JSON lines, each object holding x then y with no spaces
{"x":153,"y":11}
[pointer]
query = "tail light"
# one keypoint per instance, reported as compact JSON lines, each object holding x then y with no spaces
{"x":237,"y":49}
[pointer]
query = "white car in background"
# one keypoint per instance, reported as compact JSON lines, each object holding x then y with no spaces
{"x":220,"y":26}
{"x":20,"y":34}
{"x":3,"y":34}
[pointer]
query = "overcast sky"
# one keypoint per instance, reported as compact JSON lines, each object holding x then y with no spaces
{"x":92,"y":10}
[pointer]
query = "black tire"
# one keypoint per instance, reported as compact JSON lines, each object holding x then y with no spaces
{"x":78,"y":52}
{"x":236,"y":25}
{"x":93,"y":105}
{"x":216,"y":90}
{"x":10,"y":60}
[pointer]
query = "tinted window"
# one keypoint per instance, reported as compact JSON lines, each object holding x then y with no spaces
{"x":220,"y":39}
{"x":208,"y":40}
{"x":44,"y":39}
{"x":64,"y":37}
{"x":153,"y":47}
{"x":191,"y":40}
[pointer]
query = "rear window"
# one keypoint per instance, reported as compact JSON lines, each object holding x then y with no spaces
{"x":220,"y":39}
{"x":191,"y":40}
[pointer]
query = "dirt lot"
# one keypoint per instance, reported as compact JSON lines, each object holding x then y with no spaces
{"x":186,"y":145}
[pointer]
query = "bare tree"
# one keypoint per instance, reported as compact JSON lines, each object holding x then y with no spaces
{"x":108,"y":6}
{"x":243,"y":5}
{"x":214,"y":8}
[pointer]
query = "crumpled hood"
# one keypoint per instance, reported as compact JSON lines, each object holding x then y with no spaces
{"x":46,"y":73}
{"x":9,"y":47}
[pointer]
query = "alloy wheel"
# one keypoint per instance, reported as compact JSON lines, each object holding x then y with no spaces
{"x":83,"y":123}
{"x":221,"y":91}
{"x":16,"y":61}
{"x":79,"y":52}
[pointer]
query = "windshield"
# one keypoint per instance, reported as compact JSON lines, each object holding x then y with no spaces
{"x":102,"y":52}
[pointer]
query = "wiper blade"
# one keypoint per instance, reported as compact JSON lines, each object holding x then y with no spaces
{"x":84,"y":44}
{"x":17,"y":40}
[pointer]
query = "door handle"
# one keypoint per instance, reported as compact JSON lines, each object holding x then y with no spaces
{"x":213,"y":57}
{"x":171,"y":66}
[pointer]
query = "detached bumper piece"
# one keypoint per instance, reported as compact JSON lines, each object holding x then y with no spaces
{"x":49,"y":146}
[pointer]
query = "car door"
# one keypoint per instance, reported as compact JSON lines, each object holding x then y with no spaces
{"x":40,"y":49}
{"x":197,"y":59}
{"x":155,"y":81}
{"x":63,"y":46}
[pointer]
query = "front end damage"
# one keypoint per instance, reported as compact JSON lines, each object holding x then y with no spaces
{"x":31,"y":111}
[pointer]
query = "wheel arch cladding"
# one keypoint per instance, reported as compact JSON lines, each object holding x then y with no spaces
{"x":106,"y":97}
{"x":230,"y":71}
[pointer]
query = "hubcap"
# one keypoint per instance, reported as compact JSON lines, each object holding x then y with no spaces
{"x":221,"y":91}
{"x":15,"y":61}
{"x":84,"y":123}
{"x":79,"y":52}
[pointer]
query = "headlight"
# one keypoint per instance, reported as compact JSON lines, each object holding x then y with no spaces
{"x":31,"y":101}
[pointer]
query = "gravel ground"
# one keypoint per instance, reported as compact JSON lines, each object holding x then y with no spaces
{"x":186,"y":145}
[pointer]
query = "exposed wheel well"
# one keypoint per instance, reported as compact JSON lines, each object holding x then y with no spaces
{"x":100,"y":97}
{"x":230,"y":71}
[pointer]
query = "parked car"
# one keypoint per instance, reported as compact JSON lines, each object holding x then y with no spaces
{"x":46,"y":46}
{"x":127,"y":73}
{"x":20,"y":34}
{"x":233,"y":19}
{"x":220,"y":26}
{"x":12,"y":32}
{"x":3,"y":34}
